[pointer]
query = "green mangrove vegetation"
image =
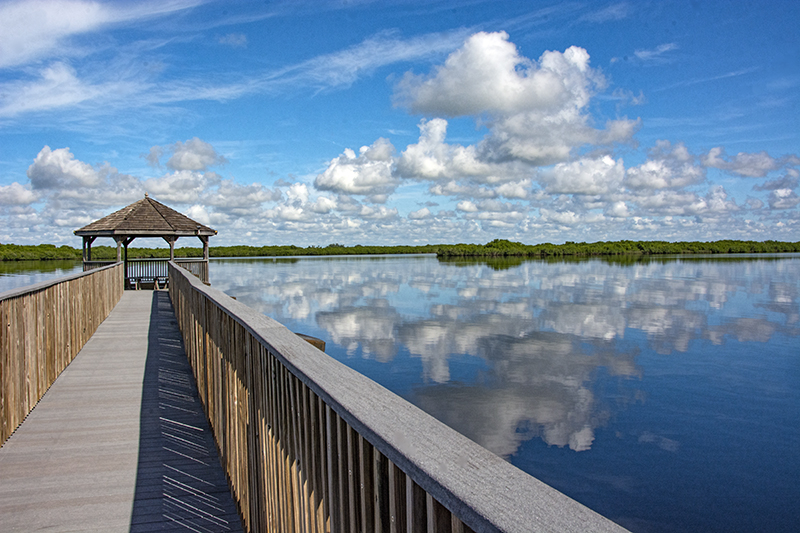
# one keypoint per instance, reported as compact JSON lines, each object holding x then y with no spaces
{"x":42,"y":252}
{"x":504,"y":248}
{"x":46,"y":252}
{"x":496,"y":248}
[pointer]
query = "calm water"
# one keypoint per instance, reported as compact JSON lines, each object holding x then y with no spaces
{"x":15,"y":274}
{"x":663,"y":394}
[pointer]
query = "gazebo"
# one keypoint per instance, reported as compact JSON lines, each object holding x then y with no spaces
{"x":146,"y":218}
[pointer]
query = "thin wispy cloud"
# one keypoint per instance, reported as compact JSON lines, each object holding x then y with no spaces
{"x":344,"y":67}
{"x":651,"y":56}
{"x":616,"y":11}
{"x":33,"y":30}
{"x":655,"y":54}
{"x":59,"y":86}
{"x":235,"y":40}
{"x":541,"y":16}
{"x":697,"y":81}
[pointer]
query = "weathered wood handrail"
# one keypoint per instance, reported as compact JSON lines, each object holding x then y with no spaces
{"x":310,"y":445}
{"x":42,"y":329}
{"x":198,"y":267}
{"x":91,"y":265}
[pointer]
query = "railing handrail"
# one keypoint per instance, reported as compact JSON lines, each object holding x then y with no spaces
{"x":162,"y":259}
{"x":484,"y":491}
{"x":21,"y":291}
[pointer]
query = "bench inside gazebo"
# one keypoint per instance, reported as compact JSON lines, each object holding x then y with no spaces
{"x":146,"y":218}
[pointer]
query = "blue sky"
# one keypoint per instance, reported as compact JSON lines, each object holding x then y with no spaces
{"x":401,"y":122}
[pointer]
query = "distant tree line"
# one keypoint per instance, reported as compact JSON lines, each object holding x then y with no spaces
{"x":504,"y":248}
{"x":42,"y":252}
{"x":495,"y":248}
{"x":15,"y":252}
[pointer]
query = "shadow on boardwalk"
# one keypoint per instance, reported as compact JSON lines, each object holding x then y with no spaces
{"x":180,"y":485}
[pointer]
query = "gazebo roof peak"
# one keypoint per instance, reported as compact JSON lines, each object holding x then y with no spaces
{"x":145,"y":218}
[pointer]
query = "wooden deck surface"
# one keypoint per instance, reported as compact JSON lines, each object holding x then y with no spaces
{"x":120,"y":441}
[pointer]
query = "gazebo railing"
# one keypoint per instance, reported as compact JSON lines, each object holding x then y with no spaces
{"x":138,"y":271}
{"x":155,"y":271}
{"x":141,"y":271}
{"x":198,"y":267}
{"x":91,"y":265}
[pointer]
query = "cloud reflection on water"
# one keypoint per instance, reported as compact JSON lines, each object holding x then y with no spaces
{"x":543,"y":329}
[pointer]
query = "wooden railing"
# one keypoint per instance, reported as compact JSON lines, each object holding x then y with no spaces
{"x":152,"y":270}
{"x":156,"y":269}
{"x":310,"y":445}
{"x":148,"y":269}
{"x":91,"y":265}
{"x":198,"y":267}
{"x":42,"y":329}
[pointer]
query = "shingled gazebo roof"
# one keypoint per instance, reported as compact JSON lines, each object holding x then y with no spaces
{"x":145,"y":218}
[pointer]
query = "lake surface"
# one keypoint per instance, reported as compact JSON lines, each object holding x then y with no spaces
{"x":15,"y":274}
{"x":664,"y":393}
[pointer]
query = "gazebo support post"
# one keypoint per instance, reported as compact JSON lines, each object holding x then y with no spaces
{"x":87,"y":248}
{"x":171,"y":241}
{"x":125,"y":243}
{"x":204,"y":240}
{"x":119,"y":248}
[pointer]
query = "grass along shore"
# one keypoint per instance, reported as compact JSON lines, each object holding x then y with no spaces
{"x":495,"y":248}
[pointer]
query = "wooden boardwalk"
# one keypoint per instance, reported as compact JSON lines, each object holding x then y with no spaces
{"x":120,"y":441}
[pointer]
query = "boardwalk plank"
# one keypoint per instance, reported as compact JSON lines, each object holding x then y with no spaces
{"x":119,"y":442}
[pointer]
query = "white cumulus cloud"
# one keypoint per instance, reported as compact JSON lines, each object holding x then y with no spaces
{"x":369,"y":173}
{"x":591,"y":176}
{"x":753,"y":165}
{"x":323,"y":205}
{"x":194,"y":154}
{"x":420,"y":214}
{"x":16,"y":194}
{"x":618,"y":209}
{"x":182,"y":186}
{"x":487,"y":74}
{"x":298,"y":193}
{"x":517,"y":189}
{"x":380,"y":212}
{"x":238,"y":199}
{"x":431,"y":158}
{"x":58,"y":169}
{"x":783,"y":199}
{"x":668,"y":167}
{"x":564,"y":218}
{"x":467,"y":206}
{"x":535,"y":110}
